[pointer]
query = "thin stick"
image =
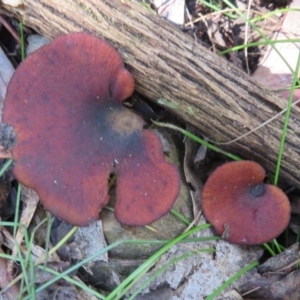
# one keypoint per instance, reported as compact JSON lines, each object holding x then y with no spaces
{"x":256,"y":128}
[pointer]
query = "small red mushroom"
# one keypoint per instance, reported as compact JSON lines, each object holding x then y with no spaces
{"x":65,"y":104}
{"x":243,"y":209}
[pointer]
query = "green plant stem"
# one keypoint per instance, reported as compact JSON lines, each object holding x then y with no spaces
{"x":269,"y":249}
{"x":29,"y":262}
{"x":50,"y":219}
{"x":22,"y":41}
{"x":277,"y":246}
{"x":197,"y":139}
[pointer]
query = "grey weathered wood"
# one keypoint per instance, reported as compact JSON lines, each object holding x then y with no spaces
{"x":173,"y":70}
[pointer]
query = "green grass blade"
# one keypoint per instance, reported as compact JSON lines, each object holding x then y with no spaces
{"x":197,"y":139}
{"x":22,"y":41}
{"x":259,"y":43}
{"x":180,"y":216}
{"x":6,"y":166}
{"x":267,"y":246}
{"x":16,"y":218}
{"x":216,"y":8}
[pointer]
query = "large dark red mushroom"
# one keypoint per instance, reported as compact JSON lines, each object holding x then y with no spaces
{"x":243,"y":209}
{"x":65,"y":104}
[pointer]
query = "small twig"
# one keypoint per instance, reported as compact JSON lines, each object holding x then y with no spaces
{"x":4,"y":153}
{"x":256,"y":128}
{"x":5,"y":279}
{"x":246,"y":36}
{"x":10,"y":29}
{"x":191,"y":22}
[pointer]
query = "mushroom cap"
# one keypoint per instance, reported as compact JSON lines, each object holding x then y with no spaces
{"x":243,"y":209}
{"x":65,"y":104}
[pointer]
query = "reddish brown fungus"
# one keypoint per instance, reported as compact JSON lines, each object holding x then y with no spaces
{"x":65,"y":104}
{"x":241,"y":207}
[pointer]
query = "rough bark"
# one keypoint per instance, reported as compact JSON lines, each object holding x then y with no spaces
{"x":173,"y":70}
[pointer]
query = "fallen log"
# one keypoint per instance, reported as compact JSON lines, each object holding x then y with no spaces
{"x":173,"y":70}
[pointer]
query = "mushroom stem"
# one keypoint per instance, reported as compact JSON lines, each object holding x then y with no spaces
{"x":258,"y":190}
